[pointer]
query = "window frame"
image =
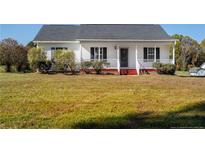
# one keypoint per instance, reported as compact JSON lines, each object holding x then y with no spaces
{"x":151,"y":54}
{"x":98,"y":53}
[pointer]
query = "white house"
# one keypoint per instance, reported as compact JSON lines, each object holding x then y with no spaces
{"x":129,"y":48}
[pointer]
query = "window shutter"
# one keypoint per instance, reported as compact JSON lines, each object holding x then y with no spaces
{"x":104,"y":53}
{"x":157,"y":53}
{"x":145,"y":53}
{"x":92,"y":53}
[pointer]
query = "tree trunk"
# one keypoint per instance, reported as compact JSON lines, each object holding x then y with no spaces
{"x":19,"y":68}
{"x":8,"y":68}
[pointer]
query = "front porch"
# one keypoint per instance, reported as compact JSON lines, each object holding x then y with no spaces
{"x":132,"y":59}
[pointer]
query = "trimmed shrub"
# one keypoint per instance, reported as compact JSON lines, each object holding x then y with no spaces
{"x":85,"y":66}
{"x":99,"y":65}
{"x":58,"y":61}
{"x":65,"y":61}
{"x":157,"y":65}
{"x":165,"y":68}
{"x":69,"y":61}
{"x":36,"y":56}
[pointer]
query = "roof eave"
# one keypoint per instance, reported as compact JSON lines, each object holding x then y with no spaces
{"x":130,"y":40}
{"x":107,"y":40}
{"x":36,"y":41}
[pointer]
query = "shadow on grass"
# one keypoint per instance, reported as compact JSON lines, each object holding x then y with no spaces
{"x":190,"y":76}
{"x":188,"y":117}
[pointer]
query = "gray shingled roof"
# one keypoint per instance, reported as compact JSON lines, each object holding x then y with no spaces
{"x":101,"y":31}
{"x":58,"y":33}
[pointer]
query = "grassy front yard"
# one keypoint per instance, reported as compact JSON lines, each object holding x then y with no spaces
{"x":90,"y":101}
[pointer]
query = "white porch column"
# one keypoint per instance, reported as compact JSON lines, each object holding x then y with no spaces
{"x":137,"y":62}
{"x":81,"y":57}
{"x":155,"y":56}
{"x":98,"y":53}
{"x":118,"y":59}
{"x":173,"y":54}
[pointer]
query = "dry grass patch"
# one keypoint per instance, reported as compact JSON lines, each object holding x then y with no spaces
{"x":98,"y":101}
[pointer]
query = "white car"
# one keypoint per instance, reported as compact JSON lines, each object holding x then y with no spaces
{"x":198,"y":71}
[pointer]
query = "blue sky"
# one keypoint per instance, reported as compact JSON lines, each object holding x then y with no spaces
{"x":24,"y":33}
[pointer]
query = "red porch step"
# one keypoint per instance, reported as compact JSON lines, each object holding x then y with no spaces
{"x":128,"y":72}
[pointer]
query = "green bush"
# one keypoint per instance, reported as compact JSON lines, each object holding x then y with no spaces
{"x":165,"y":68}
{"x":157,"y":65}
{"x":99,"y":65}
{"x":86,"y":66}
{"x":69,"y":61}
{"x":65,"y":61}
{"x":2,"y":68}
{"x":58,"y":64}
{"x":35,"y":56}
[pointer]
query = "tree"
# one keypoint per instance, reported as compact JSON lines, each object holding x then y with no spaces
{"x":30,"y":45}
{"x":21,"y":59}
{"x":177,"y":50}
{"x":34,"y":56}
{"x":7,"y":53}
{"x":190,"y":50}
{"x":202,"y":44}
{"x":187,"y":52}
{"x":202,"y":54}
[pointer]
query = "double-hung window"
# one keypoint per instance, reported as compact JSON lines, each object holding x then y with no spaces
{"x":98,"y":53}
{"x":149,"y":54}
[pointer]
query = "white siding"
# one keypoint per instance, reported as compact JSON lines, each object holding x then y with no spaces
{"x":112,"y":54}
{"x":164,"y":53}
{"x":84,"y":48}
{"x":75,"y":47}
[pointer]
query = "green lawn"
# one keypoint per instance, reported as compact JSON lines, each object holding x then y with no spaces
{"x":101,"y":101}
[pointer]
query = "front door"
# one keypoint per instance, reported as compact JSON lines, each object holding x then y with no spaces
{"x":123,"y":57}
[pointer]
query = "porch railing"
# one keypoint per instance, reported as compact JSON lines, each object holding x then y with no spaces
{"x":168,"y":61}
{"x":140,"y":63}
{"x":147,"y":63}
{"x":112,"y":62}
